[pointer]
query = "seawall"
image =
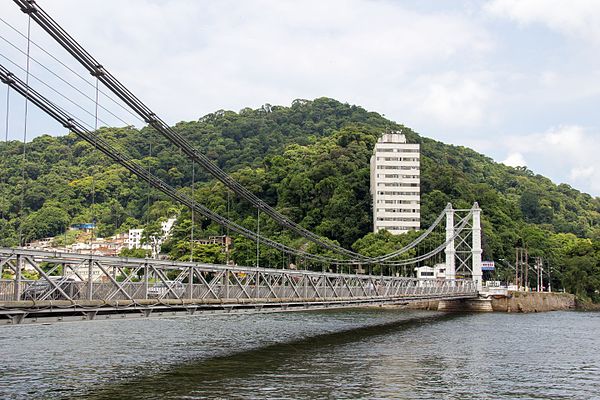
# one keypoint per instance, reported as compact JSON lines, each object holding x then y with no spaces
{"x":533,"y":302}
{"x":522,"y":302}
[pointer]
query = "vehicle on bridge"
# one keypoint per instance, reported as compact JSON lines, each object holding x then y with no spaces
{"x":161,"y":289}
{"x":44,"y":289}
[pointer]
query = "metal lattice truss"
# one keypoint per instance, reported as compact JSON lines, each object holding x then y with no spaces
{"x":463,"y":244}
{"x":84,"y":287}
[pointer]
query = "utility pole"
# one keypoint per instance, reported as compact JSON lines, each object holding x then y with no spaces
{"x":549,"y":277}
{"x":526,"y":271}
{"x":539,"y":274}
{"x":517,"y":264}
{"x":521,"y":268}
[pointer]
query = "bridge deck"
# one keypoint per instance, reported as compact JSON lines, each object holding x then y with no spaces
{"x":126,"y":287}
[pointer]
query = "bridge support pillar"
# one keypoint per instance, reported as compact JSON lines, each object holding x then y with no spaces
{"x":476,"y":247}
{"x":226,"y":283}
{"x":450,"y":250}
{"x":90,"y":282}
{"x":190,"y":285}
{"x":146,"y":277}
{"x":19,"y":269}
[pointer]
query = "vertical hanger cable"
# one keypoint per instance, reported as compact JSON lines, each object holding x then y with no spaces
{"x":24,"y":160}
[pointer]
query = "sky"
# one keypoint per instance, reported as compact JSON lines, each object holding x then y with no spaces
{"x":517,"y":80}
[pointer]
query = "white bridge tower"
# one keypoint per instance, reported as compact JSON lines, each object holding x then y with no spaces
{"x":463,"y":250}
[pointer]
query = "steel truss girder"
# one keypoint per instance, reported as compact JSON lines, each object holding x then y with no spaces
{"x":214,"y":288}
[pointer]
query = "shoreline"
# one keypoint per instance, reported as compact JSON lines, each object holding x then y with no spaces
{"x":586,"y":306}
{"x":513,"y":302}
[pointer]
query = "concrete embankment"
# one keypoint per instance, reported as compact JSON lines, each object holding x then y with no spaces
{"x":533,"y":302}
{"x":523,"y":302}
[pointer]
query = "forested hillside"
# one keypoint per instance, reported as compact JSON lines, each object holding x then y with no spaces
{"x":310,"y":161}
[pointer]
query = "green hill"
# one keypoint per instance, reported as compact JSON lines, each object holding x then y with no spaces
{"x":311,"y":161}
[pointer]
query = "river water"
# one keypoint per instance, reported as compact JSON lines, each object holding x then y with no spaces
{"x":349,"y":354}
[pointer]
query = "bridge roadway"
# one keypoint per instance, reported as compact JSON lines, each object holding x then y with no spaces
{"x":141,"y":288}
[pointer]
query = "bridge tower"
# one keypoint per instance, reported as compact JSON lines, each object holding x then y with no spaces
{"x":476,"y":250}
{"x":450,"y":251}
{"x":463,"y":250}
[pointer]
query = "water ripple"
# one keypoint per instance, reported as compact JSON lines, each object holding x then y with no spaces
{"x":370,"y":354}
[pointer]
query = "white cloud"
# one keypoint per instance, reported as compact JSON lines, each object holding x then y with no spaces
{"x":582,"y":172}
{"x":186,"y":58}
{"x":566,"y":153}
{"x":515,"y":160}
{"x":579,"y":18}
{"x":454,"y":99}
{"x":444,"y":70}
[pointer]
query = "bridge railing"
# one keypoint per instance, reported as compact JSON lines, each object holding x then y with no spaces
{"x":64,"y":276}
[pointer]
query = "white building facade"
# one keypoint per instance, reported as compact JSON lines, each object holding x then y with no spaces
{"x":396,"y":184}
{"x":134,"y":238}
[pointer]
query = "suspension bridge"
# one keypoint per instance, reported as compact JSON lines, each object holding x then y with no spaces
{"x":87,"y":287}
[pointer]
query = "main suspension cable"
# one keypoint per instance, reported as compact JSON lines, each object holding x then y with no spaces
{"x":66,"y":82}
{"x":72,"y":71}
{"x":80,"y":130}
{"x":87,"y":61}
{"x":429,"y":254}
{"x":80,"y":54}
{"x":57,"y":91}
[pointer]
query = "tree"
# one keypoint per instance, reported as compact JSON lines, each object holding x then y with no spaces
{"x":152,"y":235}
{"x":50,"y":220}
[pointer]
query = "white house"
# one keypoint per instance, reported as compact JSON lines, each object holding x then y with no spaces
{"x":438,"y":271}
{"x":134,"y":239}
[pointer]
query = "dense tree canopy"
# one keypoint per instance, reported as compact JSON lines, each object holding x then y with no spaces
{"x":311,"y":162}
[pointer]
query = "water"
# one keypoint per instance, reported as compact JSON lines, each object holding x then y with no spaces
{"x":371,"y":354}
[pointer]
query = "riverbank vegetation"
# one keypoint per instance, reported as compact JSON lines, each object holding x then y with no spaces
{"x":311,"y":162}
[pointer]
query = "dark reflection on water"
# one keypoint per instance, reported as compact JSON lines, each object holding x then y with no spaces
{"x":279,"y":370}
{"x":337,"y":354}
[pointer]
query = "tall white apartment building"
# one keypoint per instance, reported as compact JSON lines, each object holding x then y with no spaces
{"x":395,"y":184}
